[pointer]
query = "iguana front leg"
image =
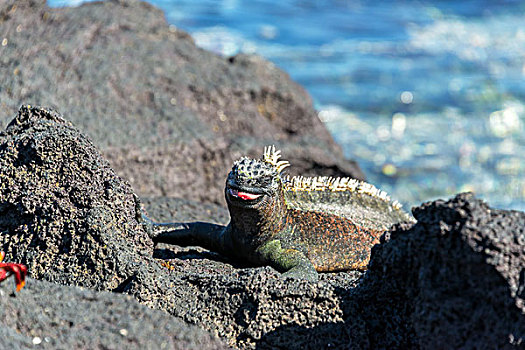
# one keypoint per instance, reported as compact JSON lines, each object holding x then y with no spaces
{"x":291,"y":262}
{"x":210,"y":236}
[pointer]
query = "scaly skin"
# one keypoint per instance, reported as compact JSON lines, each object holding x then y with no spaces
{"x":298,"y":226}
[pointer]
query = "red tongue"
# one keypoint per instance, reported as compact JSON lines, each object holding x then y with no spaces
{"x":245,"y":195}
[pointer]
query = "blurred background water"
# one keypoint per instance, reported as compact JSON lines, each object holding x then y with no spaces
{"x":428,"y":96}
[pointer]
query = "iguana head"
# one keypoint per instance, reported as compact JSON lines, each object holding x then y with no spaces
{"x":255,"y":183}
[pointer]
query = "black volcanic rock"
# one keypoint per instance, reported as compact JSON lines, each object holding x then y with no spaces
{"x":63,"y":211}
{"x":49,"y":316}
{"x":453,"y":280}
{"x":71,"y":220}
{"x":168,"y":116}
{"x":171,"y":118}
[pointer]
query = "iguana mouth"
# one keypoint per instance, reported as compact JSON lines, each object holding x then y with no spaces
{"x":247,"y":196}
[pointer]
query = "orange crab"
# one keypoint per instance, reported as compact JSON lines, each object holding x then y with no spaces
{"x":8,"y":269}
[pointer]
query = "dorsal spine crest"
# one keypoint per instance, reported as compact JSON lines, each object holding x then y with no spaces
{"x":323,"y":183}
{"x":338,"y":184}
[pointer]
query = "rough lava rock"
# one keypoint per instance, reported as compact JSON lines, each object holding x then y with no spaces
{"x":49,"y":316}
{"x":63,"y":210}
{"x":66,"y":215}
{"x":453,"y":280}
{"x":169,"y":116}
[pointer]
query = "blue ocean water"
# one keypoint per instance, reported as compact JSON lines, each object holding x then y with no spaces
{"x":428,"y":96}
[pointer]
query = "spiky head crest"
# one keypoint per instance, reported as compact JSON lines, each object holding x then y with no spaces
{"x":258,"y":175}
{"x":271,"y":156}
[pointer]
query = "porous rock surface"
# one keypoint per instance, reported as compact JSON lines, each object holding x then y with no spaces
{"x":71,"y":220}
{"x":62,"y":208}
{"x":454,"y":280}
{"x":168,"y":116}
{"x":45,"y":315}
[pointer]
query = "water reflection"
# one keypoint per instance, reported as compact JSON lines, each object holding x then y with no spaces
{"x":427,"y":96}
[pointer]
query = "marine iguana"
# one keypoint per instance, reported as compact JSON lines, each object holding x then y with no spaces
{"x":298,"y":225}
